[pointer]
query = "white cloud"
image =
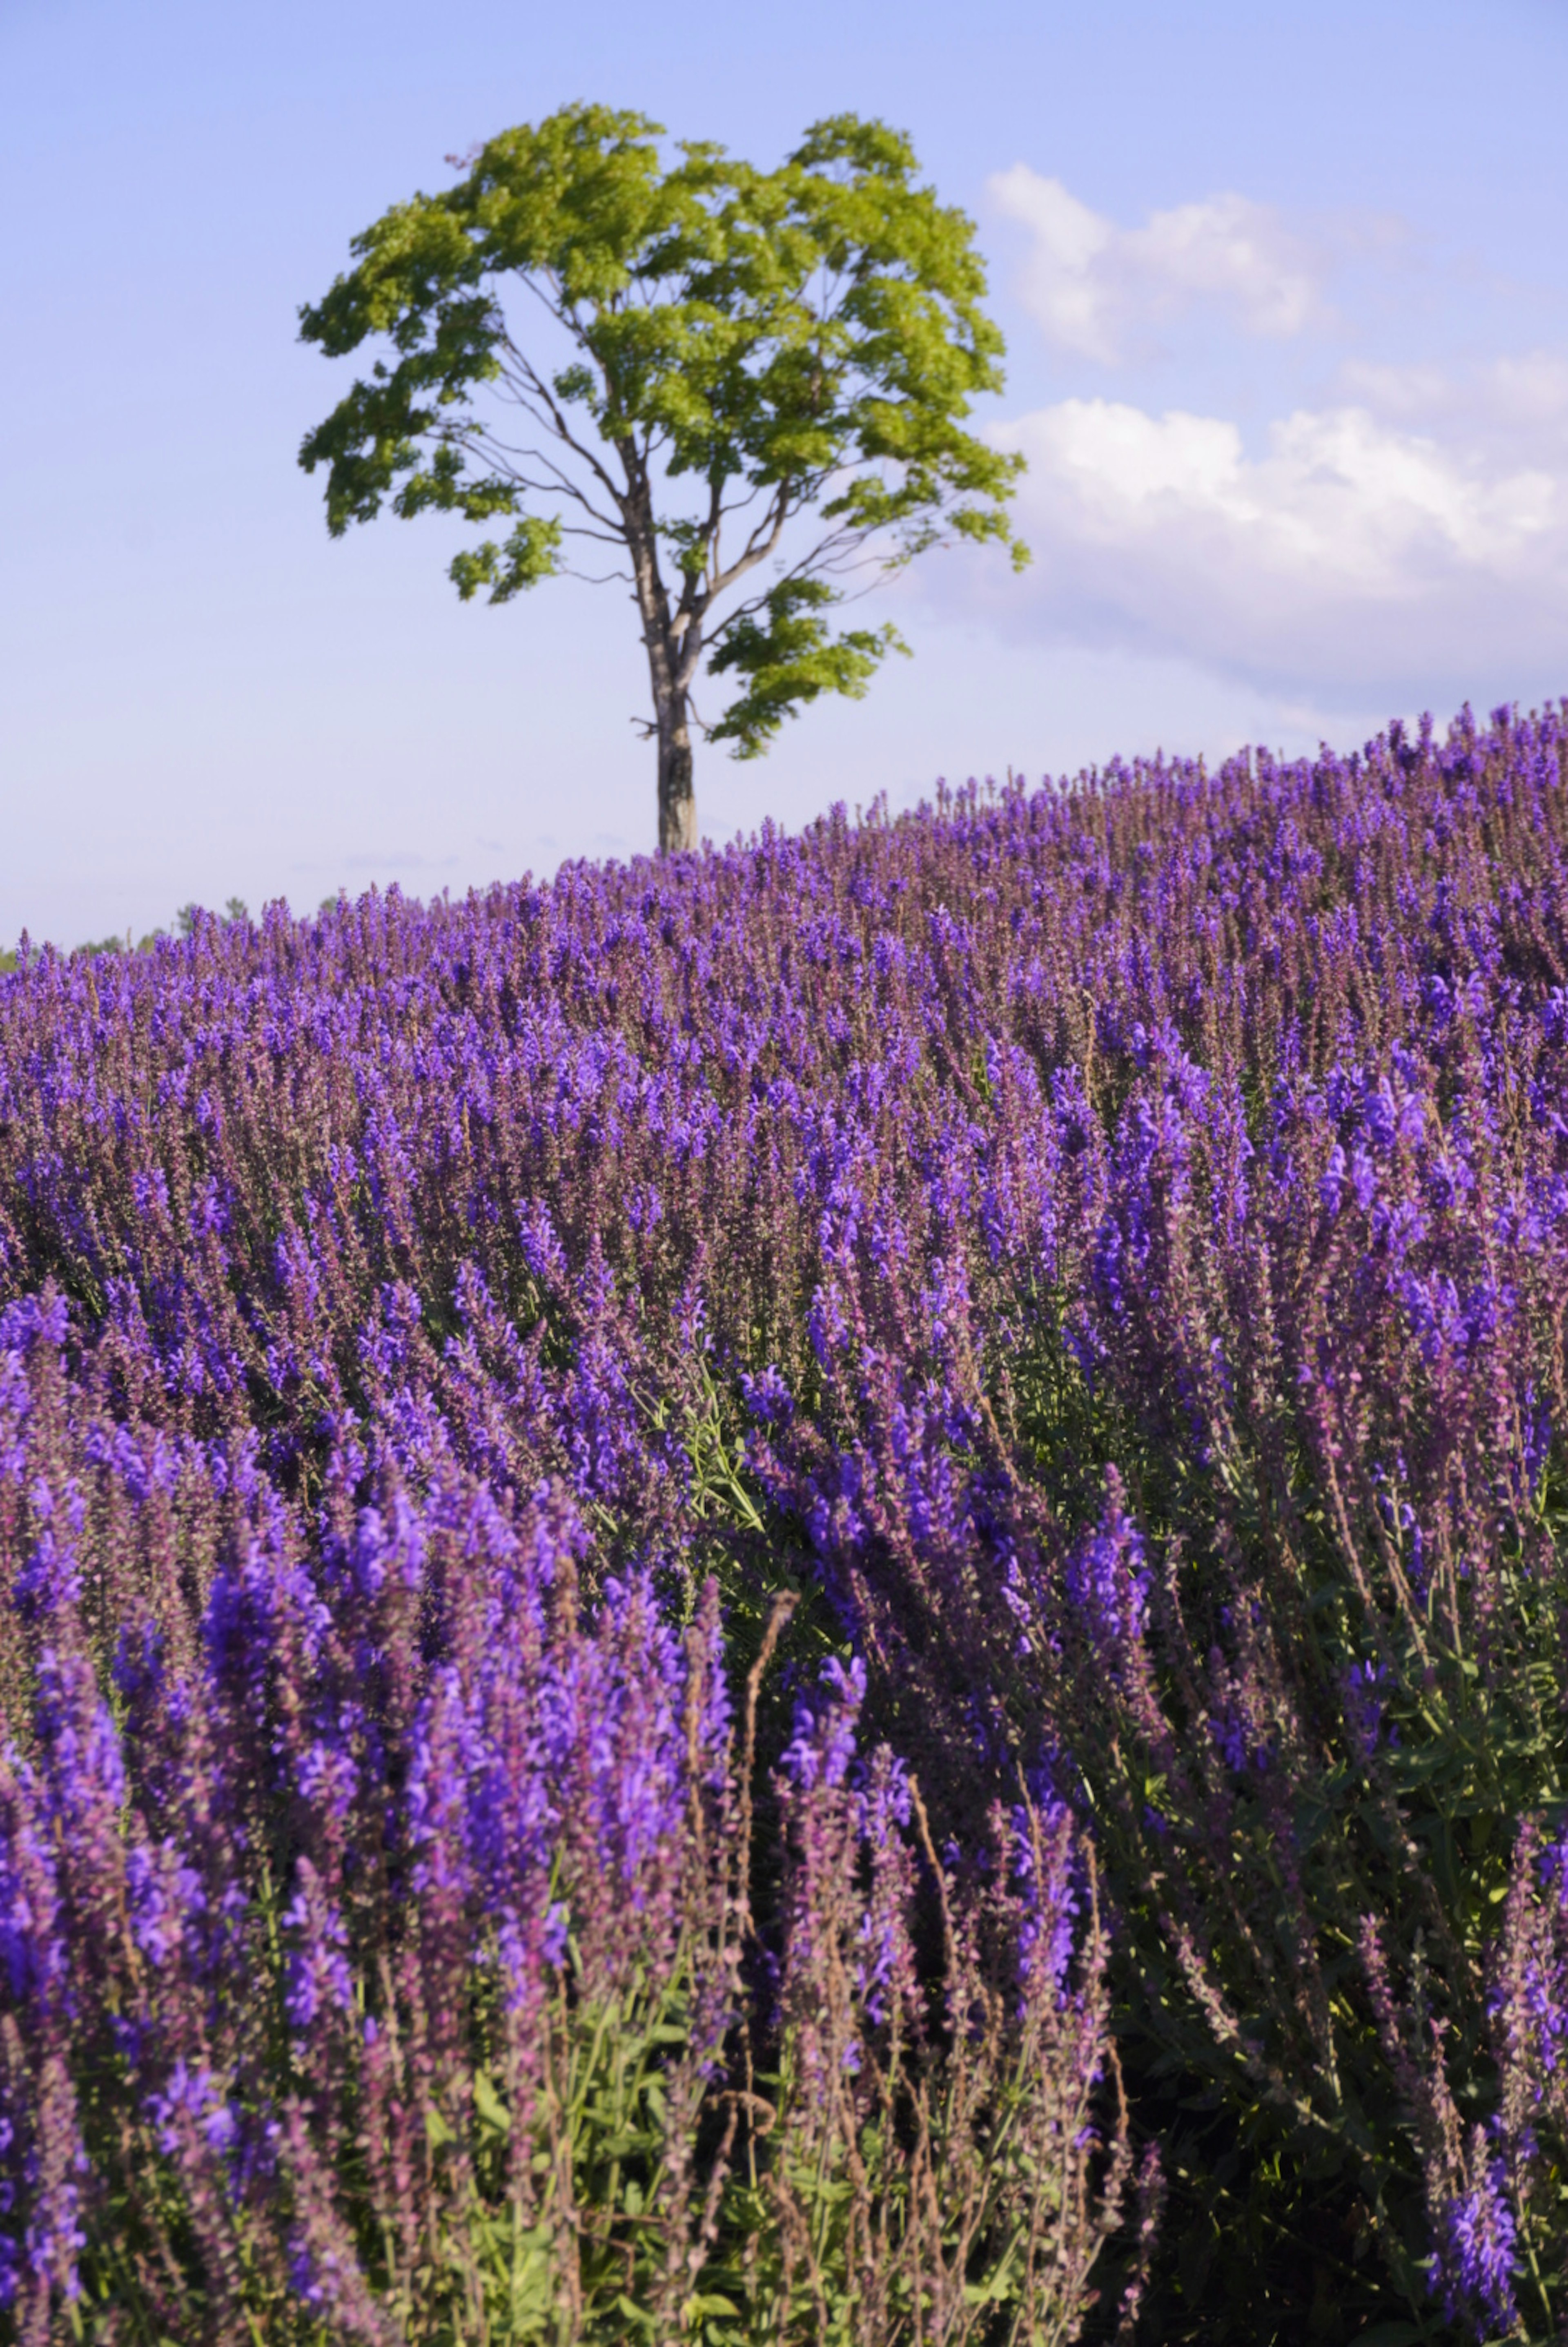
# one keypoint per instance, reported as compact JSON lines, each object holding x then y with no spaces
{"x":1407,"y":392}
{"x":1517,"y":404}
{"x":1095,"y":288}
{"x":1531,"y":390}
{"x":1402,"y":533}
{"x":1351,"y":556}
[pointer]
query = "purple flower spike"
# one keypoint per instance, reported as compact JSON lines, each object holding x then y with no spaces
{"x":1477,"y":2250}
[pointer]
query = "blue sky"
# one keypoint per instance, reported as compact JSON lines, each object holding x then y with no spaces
{"x":1285,"y":296}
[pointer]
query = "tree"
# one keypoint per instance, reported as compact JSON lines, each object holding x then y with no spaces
{"x":711,"y":368}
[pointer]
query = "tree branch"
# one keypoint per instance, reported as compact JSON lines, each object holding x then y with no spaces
{"x":561,"y":484}
{"x":555,"y":420}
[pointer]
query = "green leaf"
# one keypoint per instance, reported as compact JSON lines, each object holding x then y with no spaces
{"x":493,"y":2112}
{"x":994,"y":2292}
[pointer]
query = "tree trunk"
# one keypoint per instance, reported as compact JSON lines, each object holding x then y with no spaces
{"x":672,"y":648}
{"x":677,"y":797}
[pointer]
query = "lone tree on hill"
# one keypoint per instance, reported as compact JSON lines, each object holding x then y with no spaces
{"x":713,"y":368}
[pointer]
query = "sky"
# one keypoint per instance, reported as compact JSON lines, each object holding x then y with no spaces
{"x":1285,"y":293}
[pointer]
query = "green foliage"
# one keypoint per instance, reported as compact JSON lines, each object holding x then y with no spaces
{"x":789,"y":658}
{"x":530,"y":552}
{"x":767,"y":343}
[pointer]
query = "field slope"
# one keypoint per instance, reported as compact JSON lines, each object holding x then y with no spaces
{"x":808,"y":1595}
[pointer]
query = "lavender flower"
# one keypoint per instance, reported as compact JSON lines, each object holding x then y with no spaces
{"x":1476,"y":2252}
{"x":1103,"y":1249}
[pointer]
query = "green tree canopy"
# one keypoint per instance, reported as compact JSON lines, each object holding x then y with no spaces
{"x":724,"y":374}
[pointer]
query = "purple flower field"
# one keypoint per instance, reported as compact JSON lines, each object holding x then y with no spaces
{"x":816,"y":1594}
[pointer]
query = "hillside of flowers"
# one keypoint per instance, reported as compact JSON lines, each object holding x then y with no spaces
{"x":815,"y":1595}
